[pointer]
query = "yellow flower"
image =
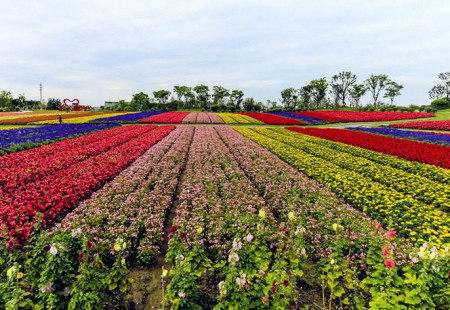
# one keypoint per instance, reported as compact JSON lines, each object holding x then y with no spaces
{"x":20,"y":275}
{"x":262,"y":213}
{"x":11,"y":271}
{"x":199,"y":230}
{"x":291,"y":215}
{"x":117,"y":247}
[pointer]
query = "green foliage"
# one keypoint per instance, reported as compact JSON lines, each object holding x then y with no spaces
{"x":440,"y":103}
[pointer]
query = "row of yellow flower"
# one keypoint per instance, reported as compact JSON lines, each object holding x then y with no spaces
{"x":231,"y":118}
{"x":7,"y":127}
{"x":414,"y":185}
{"x":78,"y":120}
{"x":24,"y":115}
{"x":409,"y":216}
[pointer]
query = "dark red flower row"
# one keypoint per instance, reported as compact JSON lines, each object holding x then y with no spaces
{"x":427,"y":153}
{"x":361,"y":116}
{"x":54,"y":194}
{"x":431,"y":125}
{"x":166,"y":118}
{"x":272,"y":119}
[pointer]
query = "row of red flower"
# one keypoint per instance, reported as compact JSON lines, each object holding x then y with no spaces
{"x":272,"y":119}
{"x":166,"y":118}
{"x":427,"y":153}
{"x":360,"y":116}
{"x":54,"y":194}
{"x":432,"y":125}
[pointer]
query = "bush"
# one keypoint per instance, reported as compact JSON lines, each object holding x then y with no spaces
{"x":440,"y":103}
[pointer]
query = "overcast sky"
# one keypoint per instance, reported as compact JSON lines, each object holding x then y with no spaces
{"x":108,"y":50}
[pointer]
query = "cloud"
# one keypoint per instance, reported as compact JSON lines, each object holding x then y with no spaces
{"x":108,"y":50}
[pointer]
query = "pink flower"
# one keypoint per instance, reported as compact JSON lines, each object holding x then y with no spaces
{"x":249,"y":238}
{"x":372,"y":223}
{"x":182,"y":294}
{"x":391,"y":233}
{"x":385,"y":251}
{"x":265,"y":299}
{"x":389,"y":264}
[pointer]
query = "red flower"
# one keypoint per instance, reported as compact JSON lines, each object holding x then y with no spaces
{"x":385,"y":251}
{"x":273,"y":289}
{"x":183,"y":235}
{"x":265,"y":299}
{"x":80,"y":257}
{"x":372,"y":223}
{"x":391,"y":233}
{"x":173,"y":228}
{"x":379,"y":226}
{"x":293,"y":304}
{"x":286,"y":283}
{"x":89,"y":244}
{"x":389,"y":264}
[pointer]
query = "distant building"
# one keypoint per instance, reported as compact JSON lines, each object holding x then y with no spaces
{"x":110,"y":105}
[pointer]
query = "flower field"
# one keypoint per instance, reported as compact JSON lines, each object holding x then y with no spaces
{"x":359,"y":116}
{"x":215,"y":217}
{"x":431,"y":125}
{"x":300,"y":117}
{"x":81,"y":119}
{"x":415,"y":135}
{"x":34,"y":118}
{"x":272,"y":119}
{"x":126,"y":118}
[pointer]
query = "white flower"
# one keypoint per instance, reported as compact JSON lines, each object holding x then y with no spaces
{"x":415,"y":260}
{"x":48,"y":288}
{"x":241,"y":280}
{"x":182,"y":294}
{"x":303,"y":251}
{"x":237,"y":244}
{"x":233,"y":257}
{"x":66,"y":291}
{"x":249,"y":238}
{"x":222,"y":290}
{"x":53,"y":250}
{"x":76,"y":232}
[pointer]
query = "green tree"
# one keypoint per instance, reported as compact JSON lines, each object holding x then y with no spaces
{"x":249,"y":104}
{"x":220,"y":95}
{"x":340,"y":86}
{"x":376,"y":84}
{"x":289,"y":98}
{"x":319,"y":89}
{"x":237,"y":97}
{"x":139,"y":102}
{"x":392,"y":90}
{"x":162,"y":95}
{"x":5,"y":99}
{"x":202,"y":92}
{"x":356,"y":92}
{"x":183,"y":93}
{"x":442,"y":89}
{"x":305,"y":97}
{"x":53,"y":104}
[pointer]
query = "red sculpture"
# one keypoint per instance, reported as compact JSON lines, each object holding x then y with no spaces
{"x":73,"y":105}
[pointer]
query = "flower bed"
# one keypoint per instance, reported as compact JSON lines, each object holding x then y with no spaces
{"x":65,"y":177}
{"x":33,"y":136}
{"x":303,"y":118}
{"x":38,"y":118}
{"x":271,"y":119}
{"x":233,"y":118}
{"x":80,"y":120}
{"x":378,"y":199}
{"x":431,"y":125}
{"x":166,"y":118}
{"x":202,"y":118}
{"x":415,"y":135}
{"x":427,"y":153}
{"x":126,"y":118}
{"x":361,"y":116}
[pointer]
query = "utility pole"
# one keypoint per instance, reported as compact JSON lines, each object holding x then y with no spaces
{"x":40,"y":88}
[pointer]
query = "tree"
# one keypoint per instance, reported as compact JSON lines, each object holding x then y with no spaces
{"x":356,"y":92}
{"x":249,"y":104}
{"x":318,"y":91}
{"x":53,"y":104}
{"x":140,"y":101}
{"x":341,"y":84}
{"x":289,"y":97}
{"x":202,"y":92}
{"x":443,"y":89}
{"x":392,"y":90}
{"x":162,"y":95}
{"x":5,"y":99}
{"x":237,"y":98}
{"x":183,"y":92}
{"x":305,"y":95}
{"x":220,"y":96}
{"x":375,"y":84}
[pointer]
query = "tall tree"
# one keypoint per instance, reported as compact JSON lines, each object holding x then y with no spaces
{"x":237,"y":98}
{"x":182,"y":92}
{"x":318,"y":91}
{"x":162,"y":95}
{"x":140,"y":101}
{"x":341,"y":84}
{"x":289,"y":97}
{"x":202,"y":92}
{"x":442,"y":89}
{"x":356,"y":92}
{"x":305,"y":95}
{"x":5,"y":99}
{"x":249,"y":104}
{"x":53,"y":104}
{"x":376,"y":84}
{"x":220,"y":95}
{"x":392,"y":90}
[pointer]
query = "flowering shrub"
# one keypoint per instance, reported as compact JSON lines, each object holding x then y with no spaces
{"x":166,"y":118}
{"x":438,"y":155}
{"x":272,"y":119}
{"x":233,"y":118}
{"x":21,"y":138}
{"x":431,"y":125}
{"x":359,"y":116}
{"x":416,"y":135}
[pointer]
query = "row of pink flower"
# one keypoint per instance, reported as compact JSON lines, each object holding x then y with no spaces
{"x":134,"y":204}
{"x":202,"y":118}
